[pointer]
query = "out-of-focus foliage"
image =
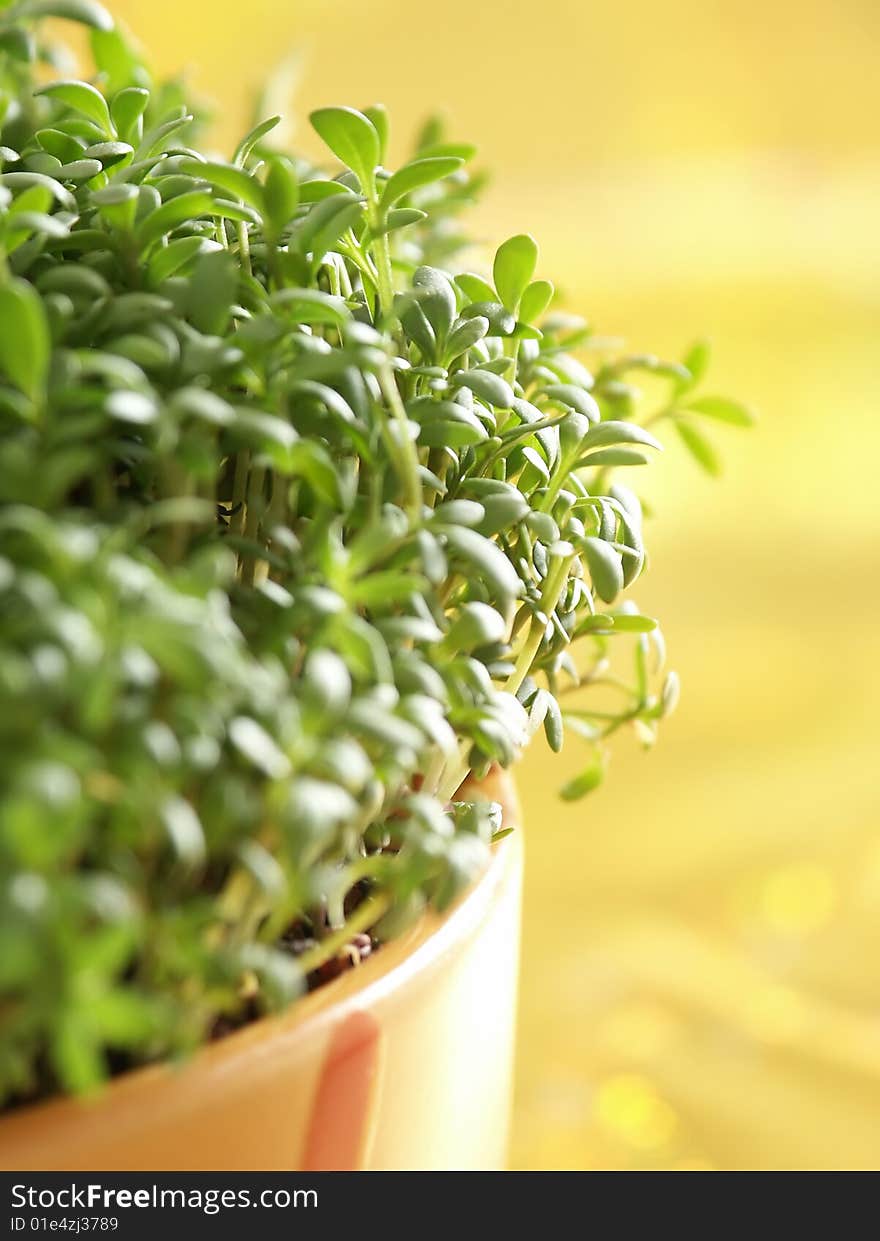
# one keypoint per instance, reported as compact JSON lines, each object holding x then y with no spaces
{"x":300,"y":525}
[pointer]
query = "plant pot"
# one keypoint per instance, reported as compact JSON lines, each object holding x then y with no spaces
{"x":404,"y":1062}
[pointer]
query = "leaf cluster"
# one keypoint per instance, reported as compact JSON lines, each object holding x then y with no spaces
{"x":301,"y":524}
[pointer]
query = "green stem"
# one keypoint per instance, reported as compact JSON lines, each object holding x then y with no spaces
{"x":278,"y":504}
{"x":366,"y":915}
{"x":244,"y":247}
{"x":665,"y":412}
{"x":239,"y":491}
{"x":363,"y":263}
{"x":176,"y":485}
{"x":384,"y":278}
{"x":400,"y":445}
{"x":454,"y":774}
{"x":255,"y":510}
{"x":554,"y":585}
{"x":550,"y":496}
{"x":618,"y":722}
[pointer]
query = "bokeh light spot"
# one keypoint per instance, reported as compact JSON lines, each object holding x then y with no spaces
{"x":799,"y":899}
{"x":629,"y":1106}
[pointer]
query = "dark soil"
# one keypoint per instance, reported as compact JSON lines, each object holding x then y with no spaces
{"x":299,"y":938}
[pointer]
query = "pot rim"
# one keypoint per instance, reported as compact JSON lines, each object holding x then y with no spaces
{"x":415,"y":954}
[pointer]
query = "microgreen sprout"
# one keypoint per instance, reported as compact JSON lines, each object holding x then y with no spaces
{"x":303,"y":523}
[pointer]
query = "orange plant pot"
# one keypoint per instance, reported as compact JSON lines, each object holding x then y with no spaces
{"x":402,"y":1063}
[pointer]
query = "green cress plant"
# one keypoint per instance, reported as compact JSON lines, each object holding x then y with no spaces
{"x":301,"y":525}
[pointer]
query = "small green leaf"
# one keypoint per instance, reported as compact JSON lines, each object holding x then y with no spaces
{"x":56,"y":189}
{"x":596,"y":623}
{"x":416,"y":174}
{"x":502,"y":511}
{"x":117,"y":61}
{"x":312,"y":306}
{"x":108,"y":153}
{"x":722,"y":409}
{"x":326,"y":223}
{"x":588,"y":780}
{"x":488,"y":387}
{"x":417,"y":327}
{"x":226,"y":209}
{"x":75,"y":1050}
{"x":573,"y":397}
{"x":227,"y":177}
{"x":463,"y":432}
{"x":401,"y":217}
{"x":613,"y":456}
{"x":126,"y":108}
{"x":281,"y":193}
{"x":212,"y":287}
{"x":18,"y":43}
{"x":436,"y":298}
{"x":514,"y":267}
{"x":29,"y":223}
{"x":37,"y":198}
{"x":384,"y":589}
{"x":173,"y":257}
{"x":631,"y":622}
{"x":158,"y":138}
{"x":117,"y":204}
{"x":133,"y":407}
{"x":476,"y":625}
{"x":536,"y":461}
{"x":317,"y":191}
{"x":173,"y":213}
{"x":378,"y":115}
{"x":84,"y":98}
{"x":76,"y":280}
{"x":184,"y":831}
{"x":606,"y":434}
{"x":606,"y":568}
{"x":268,"y":434}
{"x":147,"y":353}
{"x":543,"y":527}
{"x":201,"y":404}
{"x":475,"y":288}
{"x":87,"y":12}
{"x":501,"y":321}
{"x":699,"y":447}
{"x":465,"y":335}
{"x":80,"y":170}
{"x":488,"y":560}
{"x":310,"y":460}
{"x":326,"y":683}
{"x":63,"y":146}
{"x":461,"y":150}
{"x":252,"y":138}
{"x":554,"y":729}
{"x":256,"y":745}
{"x":535,"y":300}
{"x":352,"y":138}
{"x":24,"y":337}
{"x":696,"y":361}
{"x":458,"y":513}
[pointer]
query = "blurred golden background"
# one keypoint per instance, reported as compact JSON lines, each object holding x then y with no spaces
{"x":701,"y":972}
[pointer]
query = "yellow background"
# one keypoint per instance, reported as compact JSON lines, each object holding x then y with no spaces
{"x":701,"y":982}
